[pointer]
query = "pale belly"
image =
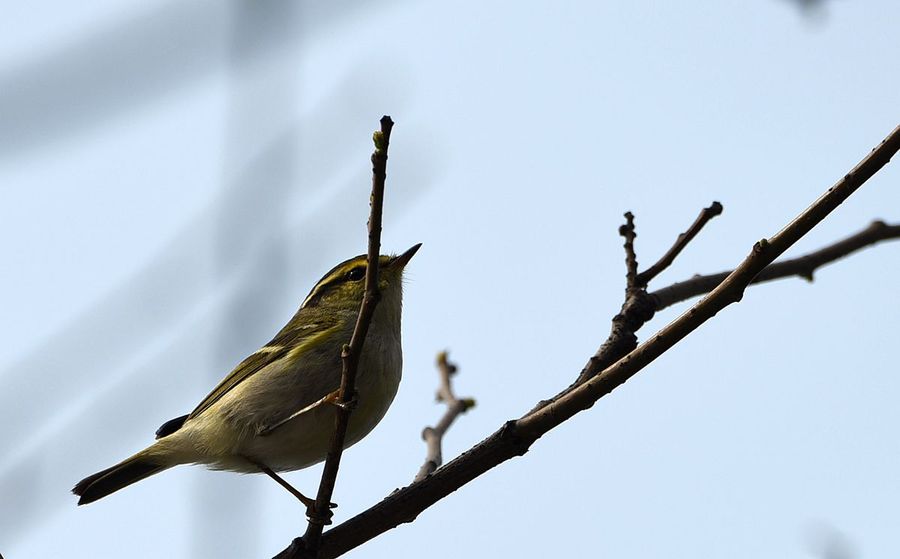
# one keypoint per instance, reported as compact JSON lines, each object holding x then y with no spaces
{"x":226,"y":435}
{"x":305,"y":441}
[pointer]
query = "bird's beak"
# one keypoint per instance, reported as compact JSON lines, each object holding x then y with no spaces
{"x":399,"y":262}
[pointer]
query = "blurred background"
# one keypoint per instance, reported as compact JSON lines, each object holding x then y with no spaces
{"x":175,"y":176}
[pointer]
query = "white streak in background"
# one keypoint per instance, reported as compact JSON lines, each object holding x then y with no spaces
{"x":39,"y":481}
{"x":115,"y":71}
{"x":264,"y":99}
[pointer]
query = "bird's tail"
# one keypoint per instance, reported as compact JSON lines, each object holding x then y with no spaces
{"x":123,"y":474}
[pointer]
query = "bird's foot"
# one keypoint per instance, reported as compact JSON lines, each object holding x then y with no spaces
{"x":349,"y":405}
{"x":319,"y":517}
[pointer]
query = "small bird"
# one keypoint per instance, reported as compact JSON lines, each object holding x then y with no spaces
{"x":273,"y":412}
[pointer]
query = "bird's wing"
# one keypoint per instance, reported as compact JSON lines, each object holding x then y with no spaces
{"x":291,"y":343}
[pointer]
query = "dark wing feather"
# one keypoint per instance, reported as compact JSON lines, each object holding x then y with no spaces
{"x":170,"y":426}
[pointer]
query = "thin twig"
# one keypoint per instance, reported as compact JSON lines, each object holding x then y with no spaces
{"x":803,"y":266}
{"x":351,"y":353}
{"x":631,"y":264}
{"x":433,"y":436}
{"x":515,"y":437}
{"x":682,"y":241}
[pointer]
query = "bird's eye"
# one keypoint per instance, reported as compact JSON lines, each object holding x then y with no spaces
{"x":356,"y":274}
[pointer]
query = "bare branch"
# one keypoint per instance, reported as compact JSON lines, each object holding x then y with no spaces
{"x":515,"y":437}
{"x":803,"y":266}
{"x":433,"y":436}
{"x":730,"y":290}
{"x":682,"y":241}
{"x":638,"y":308}
{"x":351,"y":353}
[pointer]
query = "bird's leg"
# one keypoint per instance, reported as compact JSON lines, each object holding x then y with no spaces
{"x":267,"y":429}
{"x":310,"y":504}
{"x":335,"y":400}
{"x":332,"y":398}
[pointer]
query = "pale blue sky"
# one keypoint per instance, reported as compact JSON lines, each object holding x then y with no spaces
{"x":174,"y":177}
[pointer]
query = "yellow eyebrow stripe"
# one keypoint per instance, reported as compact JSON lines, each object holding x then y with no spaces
{"x":335,"y":275}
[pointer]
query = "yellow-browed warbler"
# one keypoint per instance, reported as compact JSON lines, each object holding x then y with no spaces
{"x":273,"y":412}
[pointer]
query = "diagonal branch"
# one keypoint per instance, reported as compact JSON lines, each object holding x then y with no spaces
{"x":516,"y":436}
{"x":351,"y":353}
{"x":434,"y":436}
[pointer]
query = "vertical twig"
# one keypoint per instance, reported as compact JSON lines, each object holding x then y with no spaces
{"x":631,"y":264}
{"x":351,"y":352}
{"x":433,"y":436}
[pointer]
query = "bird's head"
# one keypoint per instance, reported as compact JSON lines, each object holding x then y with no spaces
{"x":343,"y":287}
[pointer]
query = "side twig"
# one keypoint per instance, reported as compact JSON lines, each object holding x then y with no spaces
{"x":682,"y":241}
{"x":351,"y":353}
{"x":515,"y":437}
{"x":434,"y":436}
